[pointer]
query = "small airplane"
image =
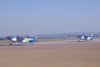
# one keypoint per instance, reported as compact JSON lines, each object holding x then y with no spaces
{"x":85,"y":38}
{"x":17,"y":40}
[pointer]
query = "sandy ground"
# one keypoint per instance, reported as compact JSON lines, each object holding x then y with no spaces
{"x":51,"y":54}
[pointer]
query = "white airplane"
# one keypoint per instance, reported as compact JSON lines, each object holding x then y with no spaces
{"x":85,"y":38}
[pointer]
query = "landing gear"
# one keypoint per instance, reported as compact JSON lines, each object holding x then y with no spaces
{"x":10,"y":44}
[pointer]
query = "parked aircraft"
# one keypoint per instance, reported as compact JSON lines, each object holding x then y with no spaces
{"x":16,"y":39}
{"x":85,"y":38}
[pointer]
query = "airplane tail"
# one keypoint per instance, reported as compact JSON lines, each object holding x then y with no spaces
{"x":11,"y":37}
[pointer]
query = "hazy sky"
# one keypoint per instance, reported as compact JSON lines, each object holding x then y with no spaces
{"x":49,"y":16}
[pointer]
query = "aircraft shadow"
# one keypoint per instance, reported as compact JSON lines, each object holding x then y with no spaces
{"x":11,"y":45}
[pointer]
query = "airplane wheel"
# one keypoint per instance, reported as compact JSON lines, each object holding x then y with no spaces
{"x":10,"y":44}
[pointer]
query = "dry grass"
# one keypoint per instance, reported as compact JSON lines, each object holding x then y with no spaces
{"x":4,"y":41}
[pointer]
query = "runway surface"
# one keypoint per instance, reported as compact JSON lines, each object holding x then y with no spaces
{"x":51,"y":54}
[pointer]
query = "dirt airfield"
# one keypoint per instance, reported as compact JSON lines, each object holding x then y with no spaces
{"x":51,"y":54}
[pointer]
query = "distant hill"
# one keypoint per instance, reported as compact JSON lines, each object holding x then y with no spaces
{"x":64,"y":35}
